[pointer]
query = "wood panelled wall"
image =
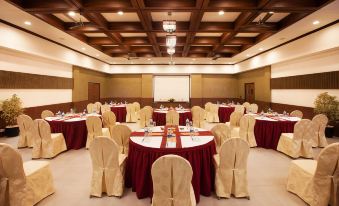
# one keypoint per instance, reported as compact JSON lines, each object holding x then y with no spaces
{"x":18,"y":80}
{"x":326,"y":80}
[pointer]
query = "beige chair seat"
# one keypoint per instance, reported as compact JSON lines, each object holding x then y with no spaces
{"x":235,"y":131}
{"x":287,"y":135}
{"x":105,"y":132}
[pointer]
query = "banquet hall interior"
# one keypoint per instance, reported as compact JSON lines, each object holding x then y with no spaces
{"x":176,"y":102}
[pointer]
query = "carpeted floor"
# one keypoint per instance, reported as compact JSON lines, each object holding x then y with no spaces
{"x":267,"y":173}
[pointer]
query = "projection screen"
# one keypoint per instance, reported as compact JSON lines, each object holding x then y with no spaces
{"x":166,"y":87}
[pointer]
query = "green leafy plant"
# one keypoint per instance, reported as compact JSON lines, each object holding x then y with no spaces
{"x":328,"y":105}
{"x":11,"y":109}
{"x":171,"y":100}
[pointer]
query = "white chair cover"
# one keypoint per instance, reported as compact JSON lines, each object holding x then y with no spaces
{"x":198,"y":115}
{"x":105,"y":108}
{"x":212,"y":115}
{"x":131,"y":115}
{"x":221,"y":133}
{"x":298,"y":143}
{"x":297,"y":113}
{"x":108,"y":167}
{"x":26,"y":127}
{"x":253,"y":108}
{"x":172,"y":176}
{"x":91,"y":108}
{"x":94,"y":129}
{"x":316,"y":182}
{"x":207,"y":109}
{"x":246,"y":105}
{"x":109,"y":120}
{"x":46,"y":113}
{"x":320,"y":122}
{"x":97,"y":106}
{"x":23,"y":184}
{"x":145,"y":114}
{"x":121,"y":134}
{"x":234,"y":120}
{"x":239,"y":108}
{"x":246,"y":130}
{"x":172,"y":118}
{"x":231,"y":169}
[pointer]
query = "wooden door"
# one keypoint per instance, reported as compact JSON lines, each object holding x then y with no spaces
{"x":93,"y":92}
{"x":249,"y":92}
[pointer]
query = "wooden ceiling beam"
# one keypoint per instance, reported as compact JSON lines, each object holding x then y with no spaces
{"x":170,"y":4}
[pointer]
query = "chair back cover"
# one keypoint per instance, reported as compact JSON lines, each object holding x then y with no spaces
{"x":221,"y":133}
{"x":320,"y":122}
{"x":297,"y":113}
{"x":172,"y":117}
{"x":150,"y":109}
{"x":246,"y":105}
{"x":302,"y":137}
{"x":253,"y":108}
{"x":231,"y":176}
{"x":37,"y":141}
{"x":13,"y":189}
{"x":246,"y":131}
{"x":121,"y":134}
{"x":91,"y":108}
{"x":46,"y":138}
{"x":97,"y":106}
{"x":26,"y":127}
{"x":46,"y":113}
{"x":107,"y":176}
{"x":108,"y":119}
{"x":94,"y":128}
{"x":239,"y":108}
{"x":235,"y":119}
{"x":136,"y":106}
{"x":105,"y":108}
{"x":130,"y":110}
{"x":172,"y":176}
{"x":198,"y":115}
{"x":208,"y":106}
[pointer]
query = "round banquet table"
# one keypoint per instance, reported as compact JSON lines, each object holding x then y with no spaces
{"x":74,"y":131}
{"x":224,"y":113}
{"x":142,"y":154}
{"x":120,"y":112}
{"x":159,"y":116}
{"x":267,"y":131}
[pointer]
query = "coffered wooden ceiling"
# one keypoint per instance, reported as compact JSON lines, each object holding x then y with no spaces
{"x":201,"y":31}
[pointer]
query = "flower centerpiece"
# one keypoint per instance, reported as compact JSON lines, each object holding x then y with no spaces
{"x":11,"y":109}
{"x":171,"y":100}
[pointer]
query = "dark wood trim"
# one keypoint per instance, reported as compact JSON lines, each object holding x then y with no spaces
{"x":325,"y":80}
{"x":19,"y":80}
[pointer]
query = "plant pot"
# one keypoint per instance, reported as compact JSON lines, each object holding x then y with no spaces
{"x":12,"y":131}
{"x":329,"y":131}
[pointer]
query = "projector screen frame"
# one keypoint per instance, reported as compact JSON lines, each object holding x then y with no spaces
{"x":181,"y":75}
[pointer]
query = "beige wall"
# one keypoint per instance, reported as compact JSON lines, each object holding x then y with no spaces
{"x":125,"y":85}
{"x":261,"y":79}
{"x":219,"y":86}
{"x":81,"y":77}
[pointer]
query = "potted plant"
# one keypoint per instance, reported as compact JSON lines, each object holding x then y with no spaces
{"x":328,"y":105}
{"x":11,"y":109}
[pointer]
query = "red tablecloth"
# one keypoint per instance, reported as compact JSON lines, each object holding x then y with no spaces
{"x":140,"y":160}
{"x":267,"y":133}
{"x":160,"y":118}
{"x":224,"y":113}
{"x":75,"y":133}
{"x":120,"y":113}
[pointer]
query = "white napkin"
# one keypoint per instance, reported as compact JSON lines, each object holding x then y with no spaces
{"x":152,"y":141}
{"x":186,"y":141}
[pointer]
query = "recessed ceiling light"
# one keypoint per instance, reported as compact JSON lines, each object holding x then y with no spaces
{"x":97,"y":55}
{"x":260,"y":49}
{"x":248,"y":55}
{"x":193,"y":59}
{"x":221,"y":12}
{"x":151,"y":62}
{"x":132,"y":62}
{"x":191,"y":62}
{"x":316,"y":22}
{"x":120,"y":13}
{"x":83,"y":48}
{"x":71,"y":13}
{"x":149,"y":59}
{"x":28,"y":23}
{"x":271,"y":12}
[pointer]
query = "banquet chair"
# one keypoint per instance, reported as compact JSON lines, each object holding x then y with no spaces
{"x":198,"y":115}
{"x":145,"y":114}
{"x":231,"y":169}
{"x":221,"y":133}
{"x":298,"y":143}
{"x":121,"y":134}
{"x":149,"y":108}
{"x":46,"y":113}
{"x":109,"y":120}
{"x":136,"y":109}
{"x":212,"y":115}
{"x":297,"y":113}
{"x":234,"y":120}
{"x":131,"y":115}
{"x":207,"y":109}
{"x":108,"y":167}
{"x":253,"y":108}
{"x":91,"y":108}
{"x":172,"y":176}
{"x":94,"y":129}
{"x":105,"y":108}
{"x":320,"y":121}
{"x":239,"y":108}
{"x":23,"y":184}
{"x":246,"y":105}
{"x":25,"y":123}
{"x":97,"y":106}
{"x":50,"y":144}
{"x":172,"y":117}
{"x":316,"y":181}
{"x":246,"y":130}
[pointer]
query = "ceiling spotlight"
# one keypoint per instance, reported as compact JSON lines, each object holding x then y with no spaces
{"x":261,"y":49}
{"x":120,"y":13}
{"x":149,"y":59}
{"x":316,"y":22}
{"x":193,"y":59}
{"x":71,"y":13}
{"x":271,"y":12}
{"x":83,"y":48}
{"x":248,"y":55}
{"x":151,"y":62}
{"x":97,"y":55}
{"x":132,"y":62}
{"x":28,"y":23}
{"x":221,"y":12}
